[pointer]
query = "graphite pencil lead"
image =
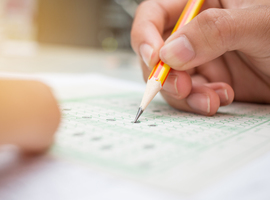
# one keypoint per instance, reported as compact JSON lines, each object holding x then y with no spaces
{"x":139,"y":113}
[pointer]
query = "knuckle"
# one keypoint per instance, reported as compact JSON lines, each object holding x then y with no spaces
{"x":144,"y":7}
{"x":140,"y":21}
{"x":135,"y":30}
{"x":144,"y":4}
{"x":217,"y":25}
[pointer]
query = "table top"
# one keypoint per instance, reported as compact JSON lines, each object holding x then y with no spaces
{"x":47,"y":177}
{"x":33,"y":58}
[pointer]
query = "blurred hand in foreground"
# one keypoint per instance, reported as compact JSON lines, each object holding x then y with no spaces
{"x":29,"y":115}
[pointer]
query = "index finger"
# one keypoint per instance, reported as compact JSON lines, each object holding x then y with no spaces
{"x":152,"y":19}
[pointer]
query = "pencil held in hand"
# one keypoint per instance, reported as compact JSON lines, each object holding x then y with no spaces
{"x":161,"y":71}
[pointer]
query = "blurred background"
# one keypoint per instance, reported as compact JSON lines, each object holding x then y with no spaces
{"x":89,"y":23}
{"x":75,"y":36}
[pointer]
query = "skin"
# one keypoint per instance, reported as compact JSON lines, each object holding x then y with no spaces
{"x":29,"y":115}
{"x":225,"y":55}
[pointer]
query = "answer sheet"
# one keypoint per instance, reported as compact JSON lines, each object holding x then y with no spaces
{"x":179,"y":151}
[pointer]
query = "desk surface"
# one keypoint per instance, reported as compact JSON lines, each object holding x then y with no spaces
{"x":33,"y":58}
{"x":47,"y":177}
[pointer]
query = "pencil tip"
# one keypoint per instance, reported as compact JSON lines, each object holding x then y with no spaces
{"x":139,"y":113}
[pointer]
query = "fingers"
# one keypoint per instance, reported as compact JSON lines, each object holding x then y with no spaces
{"x":203,"y":99}
{"x":178,"y":85}
{"x":214,"y":32}
{"x":216,"y":70}
{"x":152,"y":19}
{"x":224,"y":91}
{"x":197,"y":96}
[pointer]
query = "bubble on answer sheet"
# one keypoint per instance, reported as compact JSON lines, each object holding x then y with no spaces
{"x":78,"y":134}
{"x":111,"y":120}
{"x":152,"y":125}
{"x":96,"y":138}
{"x":106,"y":147}
{"x":149,"y":146}
{"x":145,"y":165}
{"x":86,"y":117}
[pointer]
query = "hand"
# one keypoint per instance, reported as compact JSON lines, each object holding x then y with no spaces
{"x":222,"y":55}
{"x":29,"y":115}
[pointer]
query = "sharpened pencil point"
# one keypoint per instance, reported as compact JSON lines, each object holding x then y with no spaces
{"x":139,"y":113}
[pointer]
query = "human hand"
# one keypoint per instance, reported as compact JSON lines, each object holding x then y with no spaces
{"x":222,"y":55}
{"x":29,"y":115}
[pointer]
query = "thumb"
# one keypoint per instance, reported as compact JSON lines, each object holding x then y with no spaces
{"x":216,"y":31}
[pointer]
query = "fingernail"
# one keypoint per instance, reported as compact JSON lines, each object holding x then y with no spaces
{"x":199,"y":102}
{"x":171,"y":84}
{"x":146,"y":53}
{"x":223,"y":95}
{"x":177,"y":52}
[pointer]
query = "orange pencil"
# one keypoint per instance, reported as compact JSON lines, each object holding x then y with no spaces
{"x":161,"y":71}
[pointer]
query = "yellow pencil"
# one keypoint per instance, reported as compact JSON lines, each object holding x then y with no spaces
{"x":161,"y":71}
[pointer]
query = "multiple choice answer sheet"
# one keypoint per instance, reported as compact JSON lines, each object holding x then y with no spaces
{"x":179,"y":151}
